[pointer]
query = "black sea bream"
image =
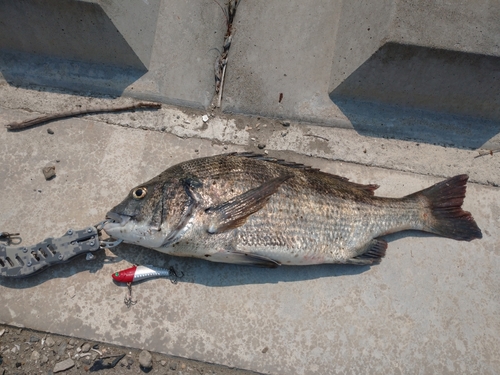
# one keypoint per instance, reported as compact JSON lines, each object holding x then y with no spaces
{"x":251,"y":209}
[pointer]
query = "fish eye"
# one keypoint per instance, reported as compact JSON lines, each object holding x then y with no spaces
{"x":139,"y":193}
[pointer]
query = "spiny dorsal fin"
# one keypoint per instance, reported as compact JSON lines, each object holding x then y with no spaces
{"x":285,"y":163}
{"x":369,"y":189}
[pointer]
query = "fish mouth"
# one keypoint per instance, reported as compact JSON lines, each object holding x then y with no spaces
{"x":114,"y":223}
{"x":117,"y":219}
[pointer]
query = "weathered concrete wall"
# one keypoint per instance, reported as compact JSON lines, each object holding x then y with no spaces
{"x":159,"y":50}
{"x":425,"y":71}
{"x":349,"y":64}
{"x":81,"y":30}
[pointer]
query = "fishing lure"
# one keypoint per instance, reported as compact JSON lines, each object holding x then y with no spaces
{"x":136,"y":273}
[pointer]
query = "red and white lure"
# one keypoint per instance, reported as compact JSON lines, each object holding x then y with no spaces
{"x":137,"y":273}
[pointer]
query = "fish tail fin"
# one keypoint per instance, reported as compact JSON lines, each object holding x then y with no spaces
{"x":447,"y":218}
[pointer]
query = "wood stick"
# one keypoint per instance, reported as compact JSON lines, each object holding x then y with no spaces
{"x":486,"y":152}
{"x":58,"y":116}
{"x":221,"y":85}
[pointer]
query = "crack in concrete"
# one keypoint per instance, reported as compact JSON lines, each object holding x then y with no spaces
{"x":221,"y":61}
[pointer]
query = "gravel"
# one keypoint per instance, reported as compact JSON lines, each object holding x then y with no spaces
{"x":24,"y":351}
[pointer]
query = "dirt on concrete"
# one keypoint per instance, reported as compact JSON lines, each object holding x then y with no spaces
{"x":25,"y":351}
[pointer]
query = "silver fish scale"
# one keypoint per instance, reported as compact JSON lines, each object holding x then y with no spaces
{"x":312,"y":216}
{"x":321,"y":229}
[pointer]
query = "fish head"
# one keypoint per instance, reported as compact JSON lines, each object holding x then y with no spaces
{"x":148,"y":213}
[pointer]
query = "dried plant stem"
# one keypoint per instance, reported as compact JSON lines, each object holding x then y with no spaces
{"x":486,"y":152}
{"x":219,"y":100}
{"x":58,"y":116}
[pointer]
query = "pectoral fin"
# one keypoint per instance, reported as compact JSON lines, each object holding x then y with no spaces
{"x":237,"y":257}
{"x":234,"y":213}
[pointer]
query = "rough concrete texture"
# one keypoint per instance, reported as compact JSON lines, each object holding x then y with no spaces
{"x":163,"y":51}
{"x":379,"y":67}
{"x":426,"y":71}
{"x":429,"y":307}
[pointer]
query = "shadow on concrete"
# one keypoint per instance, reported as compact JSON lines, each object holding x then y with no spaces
{"x":198,"y":271}
{"x":429,"y":95}
{"x":81,"y":78}
{"x":74,"y":45}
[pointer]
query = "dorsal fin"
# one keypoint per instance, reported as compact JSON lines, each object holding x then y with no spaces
{"x":285,"y":163}
{"x":368,"y":189}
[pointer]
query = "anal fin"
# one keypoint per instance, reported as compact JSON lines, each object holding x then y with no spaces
{"x":241,"y":258}
{"x":375,"y":251}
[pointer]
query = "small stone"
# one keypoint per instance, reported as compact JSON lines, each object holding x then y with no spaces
{"x":261,"y":146}
{"x":265,"y":350}
{"x":163,"y":362}
{"x":44,"y":359}
{"x":85,"y":347}
{"x":34,"y":338}
{"x":72,"y":342}
{"x":163,"y":128}
{"x":123,"y":362}
{"x":183,"y":366}
{"x":50,"y":342}
{"x":285,"y":123}
{"x":35,"y":356}
{"x":130,"y":361}
{"x":86,"y":360}
{"x":173,"y":366}
{"x":2,"y":332}
{"x":50,"y":131}
{"x":204,"y":118}
{"x":49,"y":172}
{"x":62,"y":350}
{"x":145,"y":360}
{"x":64,"y":365}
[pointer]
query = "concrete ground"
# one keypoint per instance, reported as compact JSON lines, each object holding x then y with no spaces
{"x":398,"y":93}
{"x":431,"y":306}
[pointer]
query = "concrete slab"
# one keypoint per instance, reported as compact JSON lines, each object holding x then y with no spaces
{"x":429,"y":307}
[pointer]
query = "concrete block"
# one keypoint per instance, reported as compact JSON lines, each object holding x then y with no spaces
{"x":282,"y":49}
{"x":163,"y":51}
{"x":426,"y":71}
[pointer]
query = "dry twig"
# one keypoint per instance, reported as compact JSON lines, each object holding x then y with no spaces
{"x":486,"y":152}
{"x":58,"y":116}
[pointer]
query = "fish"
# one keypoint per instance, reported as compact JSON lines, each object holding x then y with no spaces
{"x":251,"y":209}
{"x":136,"y":273}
